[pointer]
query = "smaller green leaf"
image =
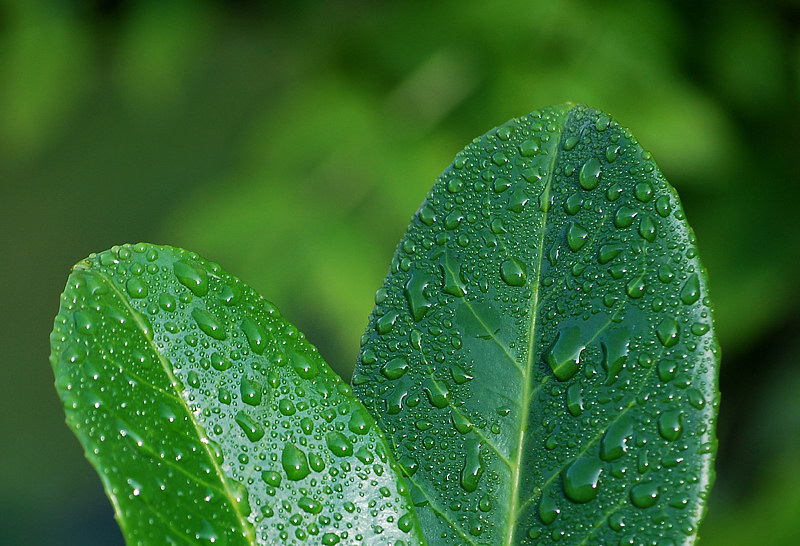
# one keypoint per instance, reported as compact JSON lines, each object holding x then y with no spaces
{"x":209,"y":417}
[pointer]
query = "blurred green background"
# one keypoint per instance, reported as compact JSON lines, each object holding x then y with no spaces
{"x":292,"y":141}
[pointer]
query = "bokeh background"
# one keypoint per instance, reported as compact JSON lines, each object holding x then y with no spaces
{"x":292,"y":141}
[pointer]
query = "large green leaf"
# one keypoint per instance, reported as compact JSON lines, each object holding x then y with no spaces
{"x":542,"y":351}
{"x":209,"y":417}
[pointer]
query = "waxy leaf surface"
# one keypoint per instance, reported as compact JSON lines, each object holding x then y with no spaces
{"x":209,"y":417}
{"x":542,"y":353}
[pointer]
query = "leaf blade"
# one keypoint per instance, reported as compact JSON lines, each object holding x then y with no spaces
{"x":209,"y":417}
{"x":579,"y":301}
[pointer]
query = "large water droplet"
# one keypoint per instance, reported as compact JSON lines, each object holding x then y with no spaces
{"x":581,"y":479}
{"x":395,"y":368}
{"x":576,"y":236}
{"x":668,"y":332}
{"x":473,"y":466}
{"x":614,"y":442}
{"x":294,"y":462}
{"x":414,"y":291}
{"x":513,"y":272}
{"x":209,"y":324}
{"x":193,"y":278}
{"x":644,"y":495}
{"x":670,"y":425}
{"x":564,"y":354}
{"x":253,"y":430}
{"x":338,"y":444}
{"x":136,"y":288}
{"x":589,"y":176}
{"x":690,"y":292}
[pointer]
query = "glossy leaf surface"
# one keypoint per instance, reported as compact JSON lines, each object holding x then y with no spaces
{"x":209,"y":417}
{"x":542,"y":352}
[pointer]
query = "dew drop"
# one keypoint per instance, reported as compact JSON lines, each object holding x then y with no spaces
{"x":581,"y":479}
{"x":253,"y":430}
{"x":564,"y":354}
{"x":473,"y":466}
{"x":338,"y":444}
{"x":136,"y":288}
{"x":670,"y":425}
{"x":668,"y":332}
{"x":294,"y":462}
{"x":191,"y":277}
{"x":513,"y":272}
{"x":209,"y":324}
{"x":589,"y":176}
{"x":690,"y":292}
{"x":644,"y":495}
{"x":395,"y":368}
{"x":576,"y":236}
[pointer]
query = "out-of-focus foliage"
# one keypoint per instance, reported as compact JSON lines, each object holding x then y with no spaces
{"x":312,"y":131}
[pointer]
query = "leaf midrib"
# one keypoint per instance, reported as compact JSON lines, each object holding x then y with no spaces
{"x":529,"y":364}
{"x":247,"y":530}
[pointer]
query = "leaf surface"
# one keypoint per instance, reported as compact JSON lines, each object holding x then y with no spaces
{"x":542,"y":352}
{"x":209,"y":417}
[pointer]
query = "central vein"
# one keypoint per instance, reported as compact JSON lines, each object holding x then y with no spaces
{"x":527,"y":379}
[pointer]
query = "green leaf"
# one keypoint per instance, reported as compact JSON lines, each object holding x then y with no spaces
{"x":209,"y":417}
{"x":542,"y":353}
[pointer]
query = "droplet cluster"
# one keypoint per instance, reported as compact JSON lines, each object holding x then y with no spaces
{"x":210,"y":418}
{"x":542,"y":352}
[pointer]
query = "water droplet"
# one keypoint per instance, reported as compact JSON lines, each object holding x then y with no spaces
{"x":577,"y":236}
{"x":643,"y":192}
{"x":405,"y":523}
{"x":305,"y":368}
{"x":696,"y":398}
{"x":690,"y":292}
{"x":338,"y":444}
{"x":84,"y":321}
{"x":564,"y":354}
{"x":255,"y":335}
{"x":461,"y":423}
{"x":548,"y":509}
{"x":644,"y":495}
{"x":451,"y":271}
{"x":663,"y":206}
{"x":581,"y":479}
{"x":286,"y":407}
{"x":473,"y":466}
{"x":395,"y":368}
{"x":209,"y":324}
{"x":193,"y":278}
{"x":615,"y":347}
{"x":385,"y":323}
{"x":529,"y":148}
{"x":167,"y":302}
{"x":252,"y":429}
{"x":271,"y":477}
{"x":670,"y":425}
{"x":668,"y":332}
{"x":294,"y":462}
{"x":647,"y":228}
{"x":589,"y":176}
{"x":250,"y":391}
{"x":636,"y":287}
{"x":570,"y":142}
{"x":460,"y":376}
{"x":624,"y":216}
{"x":513,"y":272}
{"x":614,"y":442}
{"x":609,"y":252}
{"x":575,"y":400}
{"x":437,"y":392}
{"x":136,"y":288}
{"x":414,"y":291}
